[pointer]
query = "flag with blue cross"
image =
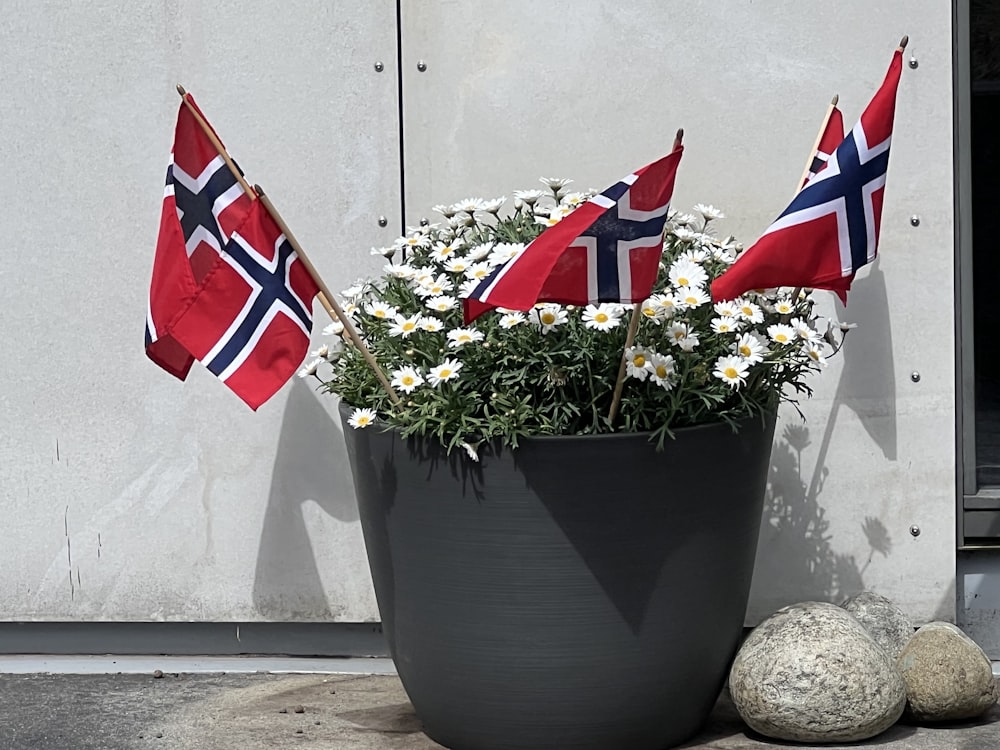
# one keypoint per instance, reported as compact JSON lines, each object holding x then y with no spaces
{"x":831,"y":227}
{"x":227,"y":288}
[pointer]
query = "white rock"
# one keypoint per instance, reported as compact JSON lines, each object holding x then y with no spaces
{"x":883,"y":619}
{"x":812,"y":673}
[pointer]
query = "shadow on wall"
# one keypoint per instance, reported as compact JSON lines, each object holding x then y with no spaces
{"x":796,"y":560}
{"x":309,"y":466}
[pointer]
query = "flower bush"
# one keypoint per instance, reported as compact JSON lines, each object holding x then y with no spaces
{"x":553,"y":370}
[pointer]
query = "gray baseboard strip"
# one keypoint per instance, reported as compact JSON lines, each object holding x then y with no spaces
{"x":194,"y":638}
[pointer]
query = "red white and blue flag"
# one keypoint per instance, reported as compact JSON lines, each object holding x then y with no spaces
{"x":227,"y":289}
{"x":831,"y":228}
{"x":607,"y":250}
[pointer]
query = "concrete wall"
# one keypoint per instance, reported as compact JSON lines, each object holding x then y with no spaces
{"x":125,"y":495}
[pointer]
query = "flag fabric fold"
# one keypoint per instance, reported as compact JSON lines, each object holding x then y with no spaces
{"x":607,"y":250}
{"x":831,"y":227}
{"x":227,"y":288}
{"x":831,"y":137}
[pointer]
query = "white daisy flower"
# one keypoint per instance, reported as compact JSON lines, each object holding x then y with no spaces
{"x":691,"y":297}
{"x":400,"y":270}
{"x":479,"y":252}
{"x":353,"y":292}
{"x":444,"y":372}
{"x":385,"y":252}
{"x":750,"y":348}
{"x":709,"y":212}
{"x":467,"y":287}
{"x":548,"y":221}
{"x":548,"y":316}
{"x":724,"y":324}
{"x":461,"y":336}
{"x":662,"y":370}
{"x":471,"y":450}
{"x":435,"y":287}
{"x":731,"y":370}
{"x":687,"y":273}
{"x":381,"y":310}
{"x":685,"y":234}
{"x":469,"y":205}
{"x":504,"y":251}
{"x":430,"y":323}
{"x":413,"y":241}
{"x":443,"y":210}
{"x":749,"y":311}
{"x":781,"y":334}
{"x":511,"y":319}
{"x":442,"y":303}
{"x":405,"y":326}
{"x":679,"y":331}
{"x":783,"y":306}
{"x":574,"y":200}
{"x":442,"y":251}
{"x":459,"y":221}
{"x":422,"y":276}
{"x":493,"y":206}
{"x":335,"y":328}
{"x":602,"y":317}
{"x":638,"y":362}
{"x":406,"y":379}
{"x":682,"y":220}
{"x":555,"y":183}
{"x":311,"y":367}
{"x":530,"y":197}
{"x":804,"y":331}
{"x":479,"y":271}
{"x":694,"y":254}
{"x":689,"y":342}
{"x":814,"y":352}
{"x":725,"y":309}
{"x":456,"y":265}
{"x":361,"y":418}
{"x":666,"y":304}
{"x":651,"y":311}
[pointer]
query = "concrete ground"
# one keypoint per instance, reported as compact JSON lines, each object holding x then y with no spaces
{"x":253,"y":710}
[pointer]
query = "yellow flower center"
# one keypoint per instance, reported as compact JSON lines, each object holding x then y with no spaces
{"x":731,"y":373}
{"x":639,"y":360}
{"x":661,"y":371}
{"x":649,"y":312}
{"x":409,"y":325}
{"x":781,"y":338}
{"x":363,"y":421}
{"x":380,"y":313}
{"x":747,"y":310}
{"x":745,"y":351}
{"x":814,"y":354}
{"x":683,"y":281}
{"x":407,"y":380}
{"x":445,"y":373}
{"x":691,"y":300}
{"x":548,"y":318}
{"x":601,"y":317}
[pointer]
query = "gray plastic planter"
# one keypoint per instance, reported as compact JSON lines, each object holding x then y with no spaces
{"x":577,"y":593}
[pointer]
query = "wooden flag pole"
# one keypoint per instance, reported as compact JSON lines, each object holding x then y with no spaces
{"x":326,"y":299}
{"x":819,"y":137}
{"x":633,"y":326}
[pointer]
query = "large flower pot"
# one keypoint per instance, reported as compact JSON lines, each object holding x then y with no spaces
{"x":574,"y":593}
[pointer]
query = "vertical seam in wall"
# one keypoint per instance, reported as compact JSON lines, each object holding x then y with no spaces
{"x":399,"y":100}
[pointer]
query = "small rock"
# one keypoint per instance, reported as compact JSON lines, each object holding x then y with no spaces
{"x":157,"y":673}
{"x":299,"y":709}
{"x":298,"y":731}
{"x":812,"y":673}
{"x":948,"y":676}
{"x":883,"y":619}
{"x":282,"y":710}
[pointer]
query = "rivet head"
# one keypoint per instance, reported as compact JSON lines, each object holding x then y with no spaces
{"x":421,"y":66}
{"x":915,"y":221}
{"x":382,"y":221}
{"x":915,"y":376}
{"x":424,"y":222}
{"x":913,"y":62}
{"x":379,"y":66}
{"x":914,"y":530}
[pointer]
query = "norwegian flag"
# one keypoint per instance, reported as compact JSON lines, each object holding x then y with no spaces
{"x":607,"y":250}
{"x":831,"y":137}
{"x":831,"y":227}
{"x":227,"y":289}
